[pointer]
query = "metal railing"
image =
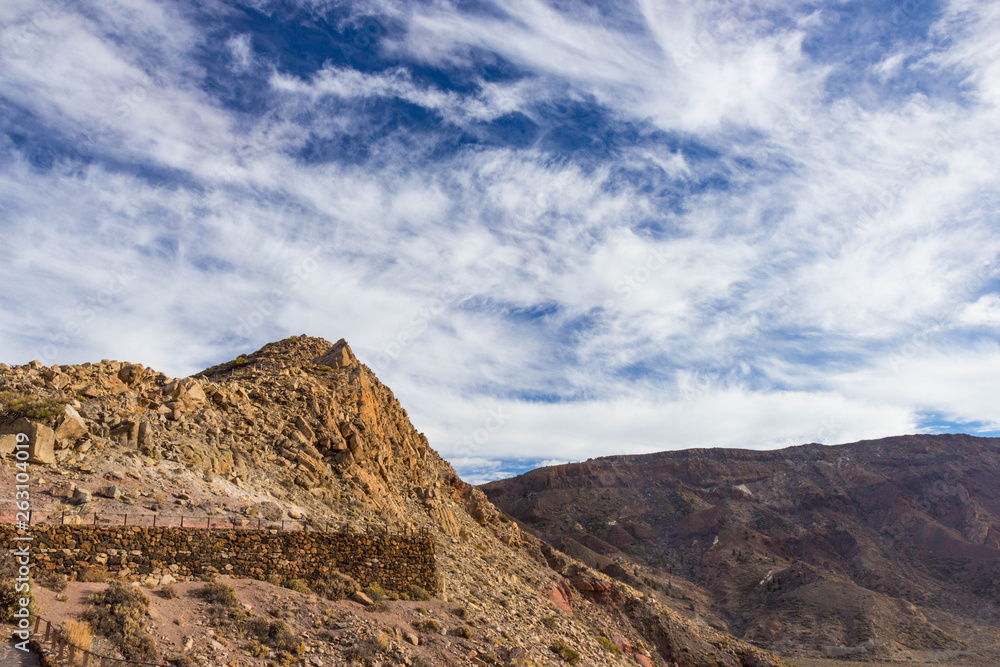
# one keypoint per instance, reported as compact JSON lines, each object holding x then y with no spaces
{"x":70,"y":655}
{"x":204,"y":522}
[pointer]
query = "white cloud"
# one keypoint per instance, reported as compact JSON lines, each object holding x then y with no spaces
{"x":668,"y":296}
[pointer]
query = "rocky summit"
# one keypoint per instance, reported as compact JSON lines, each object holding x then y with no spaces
{"x":879,"y":550}
{"x":301,"y":433}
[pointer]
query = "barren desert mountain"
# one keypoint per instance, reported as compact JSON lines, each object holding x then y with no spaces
{"x":302,"y":432}
{"x":884,"y":549}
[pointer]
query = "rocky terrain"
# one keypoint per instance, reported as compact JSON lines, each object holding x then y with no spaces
{"x":885,"y":549}
{"x":301,"y":431}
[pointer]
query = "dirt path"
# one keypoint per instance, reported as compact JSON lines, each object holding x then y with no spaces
{"x":11,"y":657}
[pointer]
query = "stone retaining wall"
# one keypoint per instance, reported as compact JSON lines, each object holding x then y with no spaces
{"x":391,"y":561}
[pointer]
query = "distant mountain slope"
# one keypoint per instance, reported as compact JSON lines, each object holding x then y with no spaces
{"x":875,"y":547}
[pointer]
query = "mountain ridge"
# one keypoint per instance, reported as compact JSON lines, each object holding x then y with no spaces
{"x":301,"y":429}
{"x":779,"y":543}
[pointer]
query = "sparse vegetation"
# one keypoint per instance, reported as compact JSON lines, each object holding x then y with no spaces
{"x":417,"y":593}
{"x":463,"y":632}
{"x":276,"y":634}
{"x":239,"y":362}
{"x":168,"y":592}
{"x":336,"y":586}
{"x":561,"y":649}
{"x":77,"y":633}
{"x":430,"y":626}
{"x":368,"y":650}
{"x":225,"y":605}
{"x":54,"y":582}
{"x":374,"y":591}
{"x":740,"y":557}
{"x":549,"y":622}
{"x":379,"y":606}
{"x":93,"y":575}
{"x":16,"y":404}
{"x":608,"y":645}
{"x":298,"y":586}
{"x":121,"y":613}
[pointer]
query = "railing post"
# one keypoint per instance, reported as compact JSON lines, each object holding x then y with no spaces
{"x":95,"y":518}
{"x":38,"y":622}
{"x":154,"y":521}
{"x":72,"y":654}
{"x":282,"y":524}
{"x":86,"y":658}
{"x":209,"y":523}
{"x":48,"y":631}
{"x":61,"y":647}
{"x":182,"y":520}
{"x":258,"y":524}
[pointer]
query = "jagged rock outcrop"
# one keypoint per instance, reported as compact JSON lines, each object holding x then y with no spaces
{"x":301,"y":430}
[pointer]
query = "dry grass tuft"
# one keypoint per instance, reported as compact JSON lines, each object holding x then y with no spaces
{"x":77,"y":633}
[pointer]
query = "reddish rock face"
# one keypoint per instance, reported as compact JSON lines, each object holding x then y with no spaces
{"x":643,"y":660}
{"x":864,"y":534}
{"x":623,"y":644}
{"x":561,"y":595}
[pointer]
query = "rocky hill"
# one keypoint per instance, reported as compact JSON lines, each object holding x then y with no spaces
{"x":300,"y":430}
{"x":878,"y":549}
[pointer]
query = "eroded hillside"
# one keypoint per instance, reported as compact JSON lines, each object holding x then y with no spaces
{"x":302,"y":431}
{"x":882,"y":548}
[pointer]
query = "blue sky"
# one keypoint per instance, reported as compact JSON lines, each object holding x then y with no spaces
{"x":556,"y":229}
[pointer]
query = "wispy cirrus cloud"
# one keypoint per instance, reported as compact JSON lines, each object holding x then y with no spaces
{"x":631,"y":226}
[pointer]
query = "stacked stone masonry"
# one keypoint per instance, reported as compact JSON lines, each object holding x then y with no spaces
{"x":392,"y":561}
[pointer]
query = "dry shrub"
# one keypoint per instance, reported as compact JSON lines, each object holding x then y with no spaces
{"x":368,"y":651}
{"x":374,"y":591}
{"x":336,"y":586}
{"x":224,"y":605}
{"x":93,"y":575}
{"x":54,"y":582}
{"x":168,"y":592}
{"x":121,"y":613}
{"x":77,"y":633}
{"x":276,"y":634}
{"x":298,"y":586}
{"x":417,"y":593}
{"x":430,"y":626}
{"x":10,"y":597}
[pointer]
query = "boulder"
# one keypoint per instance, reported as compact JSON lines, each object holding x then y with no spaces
{"x":305,"y":429}
{"x":41,"y":440}
{"x":112,"y":492}
{"x":624,"y":645}
{"x":195,"y":392}
{"x":82,"y":496}
{"x":358,"y":596}
{"x":7,"y":444}
{"x":339,"y":356}
{"x":69,"y":428}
